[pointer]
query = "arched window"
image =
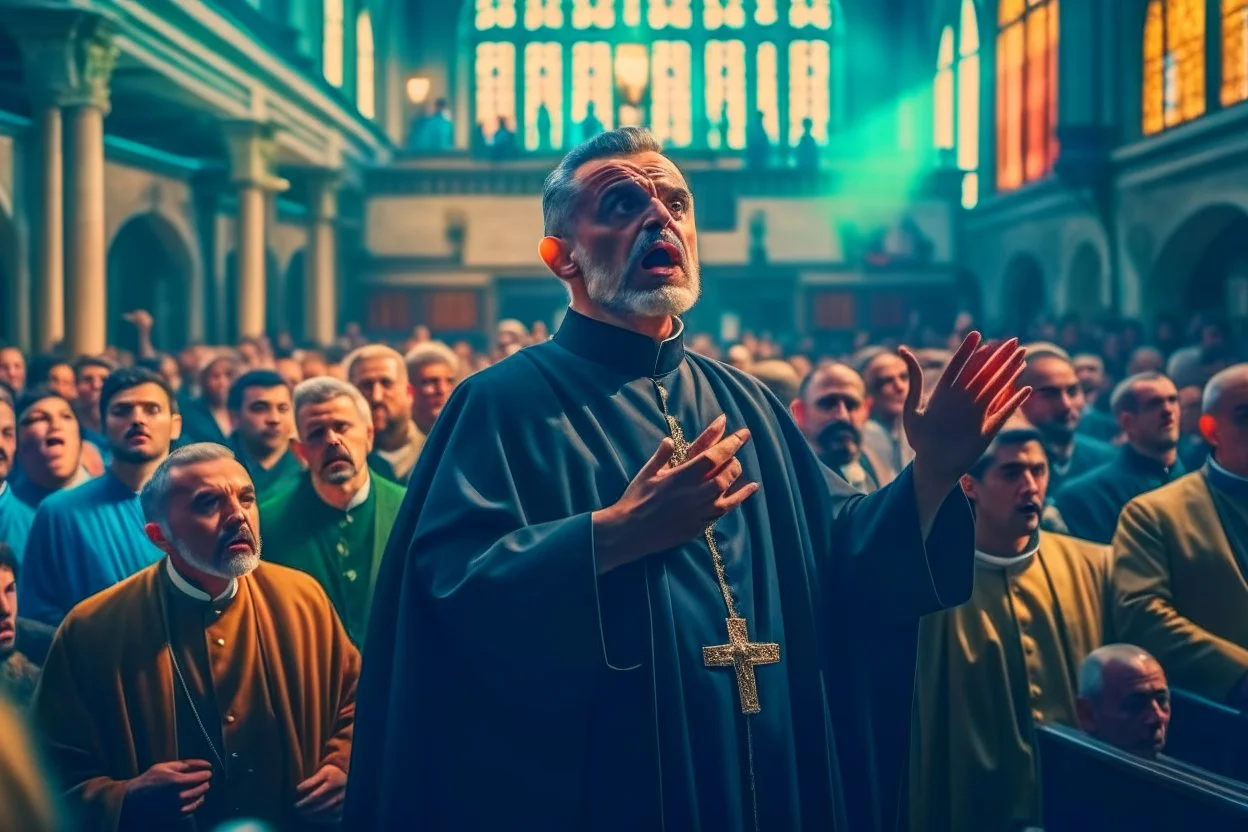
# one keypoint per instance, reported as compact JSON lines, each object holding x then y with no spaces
{"x":365,"y":66}
{"x":1174,"y":63}
{"x":1027,"y":35}
{"x":697,"y":74}
{"x":956,"y":98}
{"x":1234,"y":52}
{"x":332,"y":42}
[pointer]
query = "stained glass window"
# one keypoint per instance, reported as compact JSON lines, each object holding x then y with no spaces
{"x":942,"y":94}
{"x":809,"y":88}
{"x":686,"y":69}
{"x":725,"y":94}
{"x":1174,"y":63}
{"x":678,"y":14}
{"x":332,"y":42}
{"x":1027,"y":38}
{"x":495,"y":86}
{"x":597,"y":14}
{"x":671,"y":116}
{"x":592,"y":84}
{"x":543,"y":96}
{"x":543,"y":14}
{"x":1234,"y":52}
{"x":496,"y":14}
{"x":968,"y":103}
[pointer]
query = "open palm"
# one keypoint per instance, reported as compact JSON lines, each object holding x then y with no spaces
{"x":974,"y":397}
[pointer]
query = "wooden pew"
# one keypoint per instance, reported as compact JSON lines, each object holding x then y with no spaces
{"x":1208,"y":734}
{"x":1088,"y":785}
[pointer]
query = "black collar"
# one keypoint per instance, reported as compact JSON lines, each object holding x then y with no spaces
{"x":1147,"y":465}
{"x":620,"y":349}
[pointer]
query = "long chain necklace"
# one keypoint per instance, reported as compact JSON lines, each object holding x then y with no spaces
{"x":739,"y":653}
{"x":190,"y":700}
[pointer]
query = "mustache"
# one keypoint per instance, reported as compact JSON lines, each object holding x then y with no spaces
{"x":137,"y":430}
{"x":649,"y":238}
{"x":336,"y":454}
{"x":836,"y":429}
{"x":243,"y":535}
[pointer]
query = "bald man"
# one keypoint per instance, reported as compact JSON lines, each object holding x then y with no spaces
{"x":831,"y":409}
{"x":1124,"y":699}
{"x":380,"y":374}
{"x":1180,"y":558}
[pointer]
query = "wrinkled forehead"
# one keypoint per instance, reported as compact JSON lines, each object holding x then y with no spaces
{"x":838,"y":382}
{"x":651,"y":171}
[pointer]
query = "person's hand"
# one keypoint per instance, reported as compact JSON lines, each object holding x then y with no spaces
{"x":666,"y":506}
{"x":321,"y":795}
{"x":140,"y":319}
{"x":167,"y":791}
{"x":974,"y":397}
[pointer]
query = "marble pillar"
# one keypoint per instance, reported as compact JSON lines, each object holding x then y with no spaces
{"x":251,"y":146}
{"x":321,"y":259}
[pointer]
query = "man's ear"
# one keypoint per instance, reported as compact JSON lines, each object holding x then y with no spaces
{"x":556,"y":253}
{"x":797,"y":409}
{"x":968,"y":486}
{"x":1208,"y":429}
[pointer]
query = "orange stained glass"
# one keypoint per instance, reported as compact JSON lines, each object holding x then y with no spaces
{"x":1027,"y":40}
{"x":1185,"y":44}
{"x":1234,"y":52}
{"x":1036,"y":149}
{"x":1010,"y":62}
{"x":1054,"y":37}
{"x":1153,"y":87}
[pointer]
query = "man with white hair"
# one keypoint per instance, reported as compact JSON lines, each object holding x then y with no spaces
{"x":209,"y":686}
{"x":334,"y":523}
{"x":380,"y":374}
{"x":1124,"y":699}
{"x":433,"y":368}
{"x":1180,"y":558}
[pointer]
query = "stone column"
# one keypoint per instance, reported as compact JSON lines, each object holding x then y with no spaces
{"x":68,"y":57}
{"x":320,"y":285}
{"x":251,"y":146}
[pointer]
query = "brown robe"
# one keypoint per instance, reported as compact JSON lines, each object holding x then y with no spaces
{"x":25,"y":801}
{"x":1181,"y":591}
{"x":280,"y":700}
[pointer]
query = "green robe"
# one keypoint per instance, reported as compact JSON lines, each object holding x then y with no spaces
{"x":269,"y":482}
{"x":991,"y":669}
{"x":342,"y":550}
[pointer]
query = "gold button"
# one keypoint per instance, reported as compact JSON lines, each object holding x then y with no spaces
{"x":218,"y":612}
{"x":229,"y":718}
{"x":220,"y":642}
{"x":350,"y":575}
{"x":1035,"y":691}
{"x":350,"y":519}
{"x":1037,"y":716}
{"x":342,"y":548}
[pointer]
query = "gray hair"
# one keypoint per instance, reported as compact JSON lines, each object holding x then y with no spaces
{"x":1217,"y":386}
{"x":560,"y":190}
{"x":1092,"y":671}
{"x":431,"y":353}
{"x":154,"y":498}
{"x":374,"y":351}
{"x":1124,"y":398}
{"x":323,"y":389}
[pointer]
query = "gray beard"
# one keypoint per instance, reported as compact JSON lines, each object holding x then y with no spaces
{"x":234,"y":566}
{"x":609,"y":291}
{"x":341,"y":477}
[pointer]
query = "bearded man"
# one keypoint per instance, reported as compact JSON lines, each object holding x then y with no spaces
{"x":617,"y":637}
{"x":208,"y":686}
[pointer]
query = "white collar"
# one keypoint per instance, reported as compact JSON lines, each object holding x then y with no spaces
{"x":361,"y":495}
{"x":1007,"y":562}
{"x":4,"y":488}
{"x":1213,"y":463}
{"x":194,"y":592}
{"x":677,"y":329}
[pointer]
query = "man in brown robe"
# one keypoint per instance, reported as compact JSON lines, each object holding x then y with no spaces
{"x":1179,"y":558}
{"x":993,"y":668}
{"x":208,"y":686}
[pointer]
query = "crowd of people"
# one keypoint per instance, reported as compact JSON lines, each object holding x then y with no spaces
{"x":197,"y":550}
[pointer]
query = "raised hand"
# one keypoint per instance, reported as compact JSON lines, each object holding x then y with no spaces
{"x":972,"y":400}
{"x":167,"y":791}
{"x":666,"y":505}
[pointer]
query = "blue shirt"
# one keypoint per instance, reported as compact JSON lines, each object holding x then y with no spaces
{"x":83,"y":540}
{"x":15,"y":520}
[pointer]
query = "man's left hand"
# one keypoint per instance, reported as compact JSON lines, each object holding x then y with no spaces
{"x":321,"y":795}
{"x":972,"y":400}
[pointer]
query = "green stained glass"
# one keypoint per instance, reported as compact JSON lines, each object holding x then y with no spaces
{"x":809,"y":88}
{"x":592,"y":84}
{"x":593,"y":14}
{"x":675,"y":14}
{"x":495,"y":14}
{"x":671,"y":93}
{"x":543,"y":96}
{"x":543,"y":14}
{"x":495,"y":86}
{"x":725,"y":94}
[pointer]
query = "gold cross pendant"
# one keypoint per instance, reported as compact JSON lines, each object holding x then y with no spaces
{"x":742,"y":655}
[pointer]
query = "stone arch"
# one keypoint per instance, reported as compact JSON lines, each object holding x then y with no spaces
{"x":1085,"y":281}
{"x":150,"y":267}
{"x":1024,"y":296}
{"x":1199,"y":263}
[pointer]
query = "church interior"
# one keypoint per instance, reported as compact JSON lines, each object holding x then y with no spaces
{"x":219,"y":197}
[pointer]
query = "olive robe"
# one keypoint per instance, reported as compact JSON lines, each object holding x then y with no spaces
{"x":341,"y":549}
{"x":992,"y":668}
{"x":1179,"y":577}
{"x":276,"y":688}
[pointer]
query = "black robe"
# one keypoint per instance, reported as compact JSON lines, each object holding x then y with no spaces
{"x":506,"y":685}
{"x":1090,"y":504}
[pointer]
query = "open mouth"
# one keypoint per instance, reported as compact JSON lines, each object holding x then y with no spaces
{"x":54,"y":442}
{"x":1030,"y":510}
{"x":662,"y":255}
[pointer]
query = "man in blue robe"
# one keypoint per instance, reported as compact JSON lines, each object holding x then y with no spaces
{"x":15,"y":516}
{"x":572,"y":630}
{"x":50,"y":447}
{"x":88,"y":538}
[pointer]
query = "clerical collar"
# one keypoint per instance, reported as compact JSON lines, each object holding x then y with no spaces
{"x":1145,"y":463}
{"x":1013,"y":561}
{"x":1233,"y":485}
{"x":361,"y":495}
{"x":195,"y":592}
{"x":621,"y":349}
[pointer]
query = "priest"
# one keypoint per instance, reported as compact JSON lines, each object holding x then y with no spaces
{"x":625,"y":594}
{"x":992,"y":669}
{"x":207,"y":686}
{"x":1179,"y":558}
